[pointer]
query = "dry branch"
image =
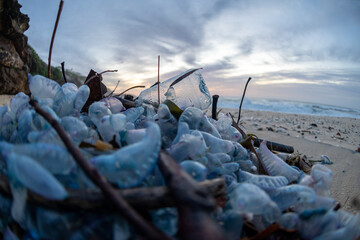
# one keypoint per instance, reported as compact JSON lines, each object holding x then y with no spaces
{"x":247,"y":143}
{"x":53,"y":36}
{"x":235,"y":125}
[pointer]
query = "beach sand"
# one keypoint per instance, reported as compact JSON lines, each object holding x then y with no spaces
{"x":338,"y":138}
{"x":313,"y":136}
{"x":5,"y":99}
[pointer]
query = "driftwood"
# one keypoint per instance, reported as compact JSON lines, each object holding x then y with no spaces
{"x":94,"y":201}
{"x":194,"y":205}
{"x":273,"y":146}
{"x":118,"y":202}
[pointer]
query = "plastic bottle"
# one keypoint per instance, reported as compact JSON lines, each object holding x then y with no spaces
{"x":187,"y":89}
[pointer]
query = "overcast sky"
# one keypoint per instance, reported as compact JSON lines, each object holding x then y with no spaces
{"x":297,"y":50}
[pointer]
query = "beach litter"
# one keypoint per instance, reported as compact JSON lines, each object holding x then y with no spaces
{"x":188,"y":176}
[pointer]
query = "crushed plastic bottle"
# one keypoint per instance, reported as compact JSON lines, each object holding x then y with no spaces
{"x":187,"y":89}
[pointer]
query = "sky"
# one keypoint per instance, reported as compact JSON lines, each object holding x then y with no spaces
{"x":306,"y":50}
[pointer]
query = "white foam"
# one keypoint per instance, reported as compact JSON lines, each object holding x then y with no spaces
{"x":288,"y":107}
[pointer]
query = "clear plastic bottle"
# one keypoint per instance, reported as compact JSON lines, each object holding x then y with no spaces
{"x":187,"y":89}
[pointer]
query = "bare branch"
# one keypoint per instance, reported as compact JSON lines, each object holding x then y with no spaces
{"x":243,"y":99}
{"x":106,"y":71}
{"x":53,"y":36}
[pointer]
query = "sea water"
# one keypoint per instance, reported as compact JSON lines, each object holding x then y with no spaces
{"x":286,"y":106}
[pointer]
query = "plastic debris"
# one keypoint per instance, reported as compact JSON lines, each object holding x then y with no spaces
{"x":33,"y":159}
{"x":187,"y":89}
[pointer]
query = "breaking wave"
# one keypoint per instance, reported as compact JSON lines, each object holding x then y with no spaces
{"x":288,"y":107}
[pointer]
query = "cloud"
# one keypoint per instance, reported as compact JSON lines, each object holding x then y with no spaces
{"x":296,"y":43}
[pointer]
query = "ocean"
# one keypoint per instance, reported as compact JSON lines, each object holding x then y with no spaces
{"x":288,"y":107}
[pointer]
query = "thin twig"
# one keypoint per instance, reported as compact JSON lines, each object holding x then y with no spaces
{"x":106,"y":71}
{"x":91,"y":78}
{"x":250,"y":145}
{"x":123,"y":208}
{"x":158,"y":81}
{"x":97,"y":75}
{"x":128,"y":90}
{"x":53,"y":36}
{"x":235,"y":125}
{"x":63,"y":71}
{"x":113,"y":90}
{"x":242,"y":99}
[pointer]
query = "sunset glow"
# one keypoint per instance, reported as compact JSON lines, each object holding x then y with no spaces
{"x":289,"y":49}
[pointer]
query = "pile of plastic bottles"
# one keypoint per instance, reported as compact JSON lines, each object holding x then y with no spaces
{"x":33,"y":158}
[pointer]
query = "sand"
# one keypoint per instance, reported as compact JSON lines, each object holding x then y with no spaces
{"x":5,"y":99}
{"x":338,"y":138}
